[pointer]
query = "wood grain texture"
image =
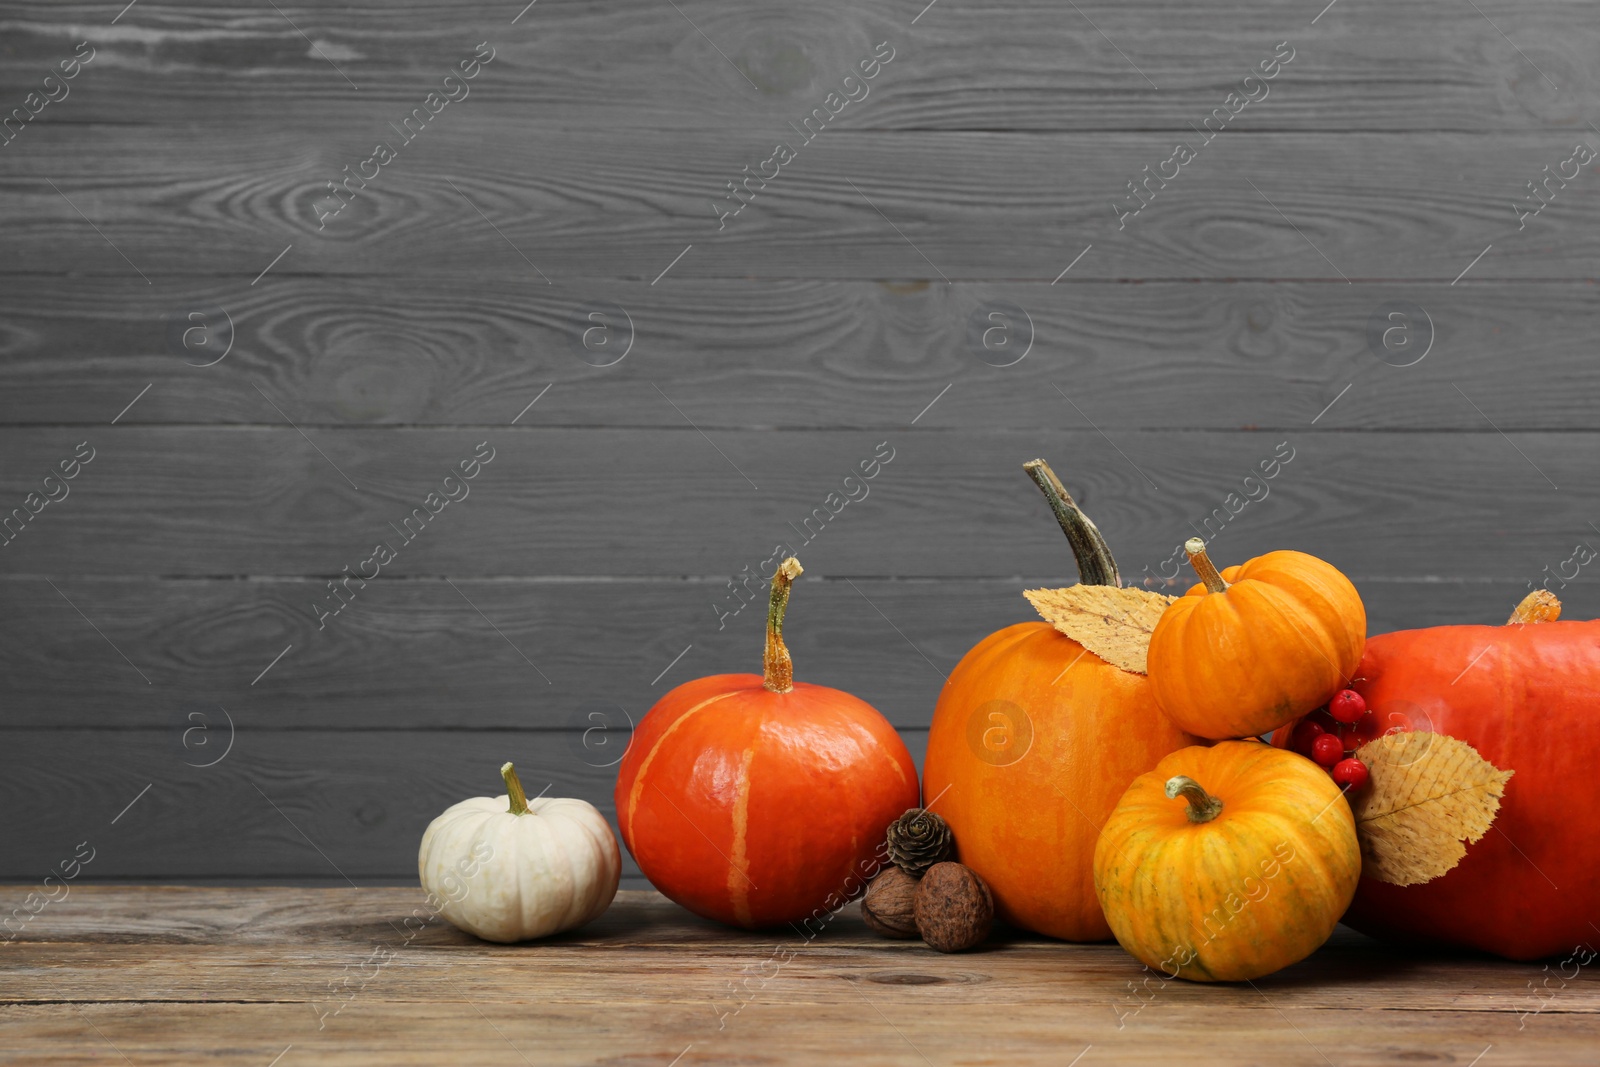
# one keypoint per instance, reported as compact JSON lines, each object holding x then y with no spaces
{"x":239,"y":976}
{"x":322,"y":803}
{"x":834,"y":1018}
{"x":1018,"y":64}
{"x":574,"y":205}
{"x":416,"y":655}
{"x":267,"y":501}
{"x":473,"y":349}
{"x":847,"y":305}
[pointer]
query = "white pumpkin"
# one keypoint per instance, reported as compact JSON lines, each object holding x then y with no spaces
{"x":510,"y":869}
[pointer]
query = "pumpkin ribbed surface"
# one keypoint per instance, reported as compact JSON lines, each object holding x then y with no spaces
{"x":758,"y":808}
{"x":1282,"y":639}
{"x":1527,"y":698}
{"x":1033,"y":741}
{"x":1258,"y":887}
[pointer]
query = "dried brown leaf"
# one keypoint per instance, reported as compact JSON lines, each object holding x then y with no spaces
{"x":1428,"y":797}
{"x":1115,"y":624}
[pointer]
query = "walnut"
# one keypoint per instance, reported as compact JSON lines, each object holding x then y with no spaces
{"x":887,"y":906}
{"x":953,"y":907}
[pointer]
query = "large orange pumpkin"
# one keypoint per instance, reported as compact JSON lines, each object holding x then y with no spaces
{"x":1243,"y":652}
{"x":1527,"y":696}
{"x":1227,"y":863}
{"x":1033,"y":740}
{"x":757,"y":800}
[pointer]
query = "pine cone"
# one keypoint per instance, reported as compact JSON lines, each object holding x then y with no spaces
{"x":917,"y":840}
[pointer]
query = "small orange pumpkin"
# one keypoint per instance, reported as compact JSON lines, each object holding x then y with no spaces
{"x":1227,"y":863}
{"x":1247,"y":650}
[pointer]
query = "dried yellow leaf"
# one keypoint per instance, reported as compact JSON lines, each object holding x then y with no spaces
{"x":1428,"y":797}
{"x":1115,"y":624}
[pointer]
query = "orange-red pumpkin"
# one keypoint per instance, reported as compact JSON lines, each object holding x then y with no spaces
{"x":1227,"y":863}
{"x":1033,"y":740}
{"x":1243,"y":652}
{"x":757,"y":800}
{"x":1527,"y":696}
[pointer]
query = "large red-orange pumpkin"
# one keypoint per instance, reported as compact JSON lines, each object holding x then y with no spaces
{"x":1033,"y":742}
{"x":757,"y":800}
{"x":1527,"y":697}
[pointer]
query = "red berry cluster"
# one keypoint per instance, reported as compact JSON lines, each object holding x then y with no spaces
{"x":1322,"y":736}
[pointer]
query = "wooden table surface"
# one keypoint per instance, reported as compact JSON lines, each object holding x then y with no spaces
{"x":291,"y":976}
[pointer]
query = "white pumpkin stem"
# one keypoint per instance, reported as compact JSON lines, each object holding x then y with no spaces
{"x":777,"y":667}
{"x":1203,"y":566}
{"x":519,"y":799}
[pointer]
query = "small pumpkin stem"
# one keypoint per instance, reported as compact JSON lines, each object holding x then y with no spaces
{"x":776,"y":666}
{"x":519,"y":799}
{"x":1540,"y":605}
{"x":1203,"y":566}
{"x":1096,"y":566}
{"x":1203,"y":807}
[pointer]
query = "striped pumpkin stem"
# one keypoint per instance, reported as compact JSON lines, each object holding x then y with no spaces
{"x":1096,"y":565}
{"x":777,"y":667}
{"x":1540,"y":605}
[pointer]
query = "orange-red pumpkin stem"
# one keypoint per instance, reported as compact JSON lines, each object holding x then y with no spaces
{"x":777,"y":667}
{"x":1096,"y":565}
{"x":519,"y":799}
{"x":1203,"y":807}
{"x":1540,"y":605}
{"x":1203,"y":566}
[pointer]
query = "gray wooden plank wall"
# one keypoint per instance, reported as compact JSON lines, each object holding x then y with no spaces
{"x":940,"y":276}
